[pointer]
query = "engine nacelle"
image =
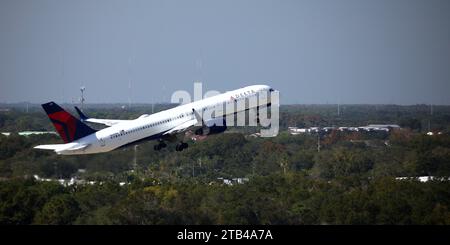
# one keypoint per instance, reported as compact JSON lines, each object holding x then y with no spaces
{"x":213,"y":126}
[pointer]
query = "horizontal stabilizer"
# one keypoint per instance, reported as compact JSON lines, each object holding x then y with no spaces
{"x":81,"y":114}
{"x":51,"y":147}
{"x":107,"y":122}
{"x":62,"y":147}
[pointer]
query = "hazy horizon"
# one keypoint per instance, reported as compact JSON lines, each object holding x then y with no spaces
{"x":314,"y":52}
{"x":137,"y":104}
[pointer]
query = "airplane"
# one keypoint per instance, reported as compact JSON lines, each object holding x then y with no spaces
{"x":162,"y":126}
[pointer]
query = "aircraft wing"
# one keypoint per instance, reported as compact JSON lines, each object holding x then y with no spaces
{"x":107,"y":122}
{"x":193,"y":123}
{"x":58,"y":148}
{"x":182,"y":127}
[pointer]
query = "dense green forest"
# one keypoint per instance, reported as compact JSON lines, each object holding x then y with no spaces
{"x":350,"y":180}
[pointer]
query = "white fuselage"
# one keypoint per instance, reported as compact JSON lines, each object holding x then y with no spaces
{"x":154,"y":125}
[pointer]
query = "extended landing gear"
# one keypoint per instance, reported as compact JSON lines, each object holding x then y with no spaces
{"x":181,"y":146}
{"x":159,"y":146}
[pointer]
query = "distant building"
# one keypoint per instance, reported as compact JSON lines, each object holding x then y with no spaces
{"x":433,"y":133}
{"x":380,"y":127}
{"x":225,"y":181}
{"x":328,"y":129}
{"x":233,"y":181}
{"x":424,"y":178}
{"x":240,"y":180}
{"x":28,"y":133}
{"x":72,"y":181}
{"x":295,"y":130}
{"x":383,"y":126}
{"x":368,"y":128}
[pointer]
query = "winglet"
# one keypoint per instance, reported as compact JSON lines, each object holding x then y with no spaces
{"x":81,"y":114}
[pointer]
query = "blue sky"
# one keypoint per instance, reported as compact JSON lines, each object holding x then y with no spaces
{"x":321,"y":51}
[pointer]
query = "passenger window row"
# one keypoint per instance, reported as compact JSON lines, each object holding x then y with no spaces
{"x":123,"y":132}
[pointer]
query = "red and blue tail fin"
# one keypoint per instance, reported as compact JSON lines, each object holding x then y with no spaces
{"x":68,"y":126}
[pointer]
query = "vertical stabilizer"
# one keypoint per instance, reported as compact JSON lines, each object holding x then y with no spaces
{"x":68,"y":126}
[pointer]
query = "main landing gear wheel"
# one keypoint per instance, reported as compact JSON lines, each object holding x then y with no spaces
{"x":181,"y":146}
{"x":159,"y":146}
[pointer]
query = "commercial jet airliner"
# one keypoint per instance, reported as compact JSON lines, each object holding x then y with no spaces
{"x":163,"y":126}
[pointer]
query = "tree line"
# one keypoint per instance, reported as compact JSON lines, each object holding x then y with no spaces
{"x":292,"y":198}
{"x":350,"y":179}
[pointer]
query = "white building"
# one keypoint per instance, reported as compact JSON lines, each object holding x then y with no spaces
{"x":28,"y":133}
{"x":424,"y":178}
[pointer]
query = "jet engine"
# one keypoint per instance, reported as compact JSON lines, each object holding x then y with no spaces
{"x":213,"y":126}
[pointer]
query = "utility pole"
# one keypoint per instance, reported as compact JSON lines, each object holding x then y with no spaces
{"x":153,"y":105}
{"x":129,"y":96}
{"x":338,"y":109}
{"x":135,"y":159}
{"x":318,"y":142}
{"x":82,"y":88}
{"x":163,"y":94}
{"x":429,"y":119}
{"x":129,"y":82}
{"x":62,"y":76}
